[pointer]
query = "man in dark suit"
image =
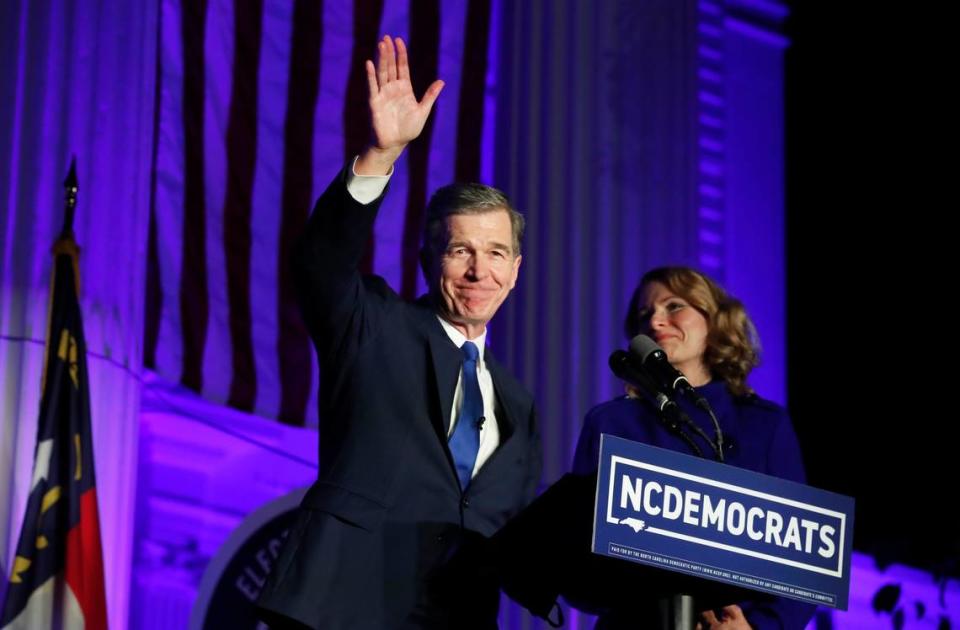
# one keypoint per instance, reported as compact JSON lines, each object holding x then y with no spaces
{"x":427,"y":445}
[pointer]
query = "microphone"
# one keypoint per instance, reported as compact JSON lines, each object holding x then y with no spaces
{"x":624,"y":367}
{"x":654,"y":362}
{"x":480,"y":421}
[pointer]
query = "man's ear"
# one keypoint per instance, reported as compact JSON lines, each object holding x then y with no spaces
{"x":516,"y":271}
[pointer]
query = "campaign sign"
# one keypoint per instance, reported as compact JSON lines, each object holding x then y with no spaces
{"x":699,"y":517}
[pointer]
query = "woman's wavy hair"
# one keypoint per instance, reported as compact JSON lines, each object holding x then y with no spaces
{"x":733,"y":347}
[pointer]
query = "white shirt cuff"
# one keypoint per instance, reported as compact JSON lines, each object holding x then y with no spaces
{"x":365,"y":188}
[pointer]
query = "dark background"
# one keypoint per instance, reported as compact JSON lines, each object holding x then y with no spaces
{"x":870,"y":297}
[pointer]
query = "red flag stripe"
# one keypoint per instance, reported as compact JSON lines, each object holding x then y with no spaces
{"x":194,"y":301}
{"x":241,"y":163}
{"x":472,"y":90}
{"x":154,"y":292}
{"x":293,"y":345}
{"x":84,"y":564}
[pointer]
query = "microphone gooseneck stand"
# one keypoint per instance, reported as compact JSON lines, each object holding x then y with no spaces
{"x":677,"y":611}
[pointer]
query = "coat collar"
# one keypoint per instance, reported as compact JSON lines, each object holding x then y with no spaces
{"x":447,"y":358}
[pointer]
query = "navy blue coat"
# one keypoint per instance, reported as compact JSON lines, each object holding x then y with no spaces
{"x":758,"y":436}
{"x":387,"y":511}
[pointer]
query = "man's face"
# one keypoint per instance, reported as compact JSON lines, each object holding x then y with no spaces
{"x":474,"y":274}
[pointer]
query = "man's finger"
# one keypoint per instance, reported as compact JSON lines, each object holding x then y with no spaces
{"x":382,"y":72}
{"x":372,"y":79}
{"x":733,"y":613}
{"x":403,"y":65}
{"x":709,"y":618}
{"x":430,"y":96}
{"x":391,"y":58}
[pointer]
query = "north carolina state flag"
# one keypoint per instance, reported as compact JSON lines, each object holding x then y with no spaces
{"x":57,"y":576}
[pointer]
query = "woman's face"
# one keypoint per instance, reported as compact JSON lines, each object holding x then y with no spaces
{"x":678,"y":327}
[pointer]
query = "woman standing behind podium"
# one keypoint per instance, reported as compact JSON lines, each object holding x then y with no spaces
{"x":707,"y":335}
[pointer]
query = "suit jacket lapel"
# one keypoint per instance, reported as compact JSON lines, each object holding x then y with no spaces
{"x":446,"y":368}
{"x":507,"y":405}
{"x":446,"y":359}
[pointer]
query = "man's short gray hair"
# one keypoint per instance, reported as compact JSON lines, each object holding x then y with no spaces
{"x":466,"y":199}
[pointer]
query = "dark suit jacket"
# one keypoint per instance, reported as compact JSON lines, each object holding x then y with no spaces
{"x":387,"y":511}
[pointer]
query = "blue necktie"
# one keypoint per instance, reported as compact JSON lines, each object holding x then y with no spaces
{"x":465,"y":441}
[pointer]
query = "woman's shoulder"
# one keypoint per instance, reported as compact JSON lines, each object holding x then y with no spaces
{"x":615,"y":415}
{"x":754,"y":404}
{"x":622,"y":405}
{"x":765,"y":421}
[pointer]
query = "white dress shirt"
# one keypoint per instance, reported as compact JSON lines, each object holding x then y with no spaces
{"x":490,"y":430}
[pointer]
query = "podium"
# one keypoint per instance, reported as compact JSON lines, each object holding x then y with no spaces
{"x":545,"y":552}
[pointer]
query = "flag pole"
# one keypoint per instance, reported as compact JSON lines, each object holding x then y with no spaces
{"x":70,"y":202}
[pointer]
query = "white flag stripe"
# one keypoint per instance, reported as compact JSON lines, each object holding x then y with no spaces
{"x":335,"y":51}
{"x":443,"y":147}
{"x":268,"y":201}
{"x":218,"y":84}
{"x":39,"y":612}
{"x":170,"y":194}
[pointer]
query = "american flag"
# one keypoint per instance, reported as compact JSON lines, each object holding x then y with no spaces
{"x":259,"y":104}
